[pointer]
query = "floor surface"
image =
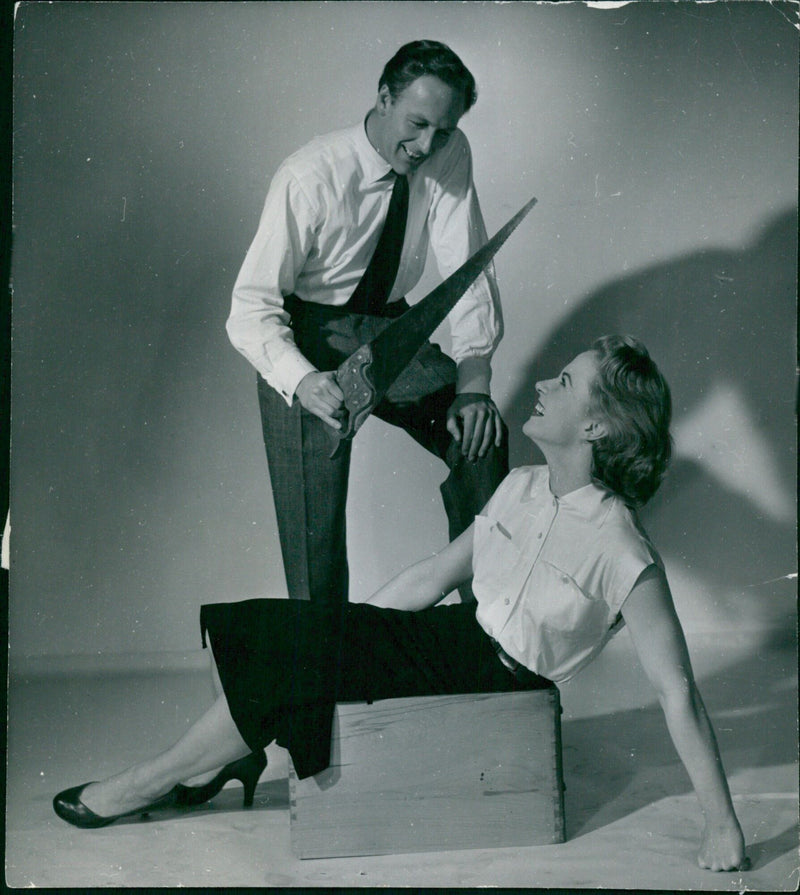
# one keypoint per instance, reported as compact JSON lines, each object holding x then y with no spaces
{"x":632,"y":819}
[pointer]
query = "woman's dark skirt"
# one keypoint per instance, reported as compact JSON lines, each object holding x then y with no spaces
{"x":283,"y":665}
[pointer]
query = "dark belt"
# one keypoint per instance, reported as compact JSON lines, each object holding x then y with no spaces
{"x":523,"y":674}
{"x":298,"y":307}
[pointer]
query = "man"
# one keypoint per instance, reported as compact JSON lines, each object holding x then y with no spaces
{"x":343,"y":237}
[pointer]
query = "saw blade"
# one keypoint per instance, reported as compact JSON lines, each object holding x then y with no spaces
{"x":370,"y":371}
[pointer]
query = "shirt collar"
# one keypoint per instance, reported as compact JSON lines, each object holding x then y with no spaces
{"x":373,"y":164}
{"x":592,"y":501}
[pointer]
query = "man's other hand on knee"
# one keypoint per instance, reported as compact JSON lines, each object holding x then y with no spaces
{"x":474,"y":422}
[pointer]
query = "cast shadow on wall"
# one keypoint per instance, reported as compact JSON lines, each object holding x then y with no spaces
{"x":721,"y":325}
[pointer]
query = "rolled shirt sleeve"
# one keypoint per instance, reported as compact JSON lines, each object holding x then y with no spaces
{"x":457,"y":231}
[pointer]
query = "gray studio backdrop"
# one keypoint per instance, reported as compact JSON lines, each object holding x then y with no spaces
{"x":661,"y":142}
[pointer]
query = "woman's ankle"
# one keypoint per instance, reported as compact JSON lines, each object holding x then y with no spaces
{"x":201,"y":779}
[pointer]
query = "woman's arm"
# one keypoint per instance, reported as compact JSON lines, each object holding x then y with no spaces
{"x":430,"y":580}
{"x":659,"y":641}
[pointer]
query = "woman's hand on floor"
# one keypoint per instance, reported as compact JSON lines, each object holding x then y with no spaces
{"x":723,"y":848}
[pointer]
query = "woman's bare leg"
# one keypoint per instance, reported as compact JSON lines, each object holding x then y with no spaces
{"x":212,"y":741}
{"x":200,"y":779}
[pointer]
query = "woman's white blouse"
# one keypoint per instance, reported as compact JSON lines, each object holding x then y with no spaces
{"x":551,"y":574}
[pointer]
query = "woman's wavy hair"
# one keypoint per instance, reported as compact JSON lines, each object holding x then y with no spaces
{"x":633,"y":399}
{"x":428,"y":57}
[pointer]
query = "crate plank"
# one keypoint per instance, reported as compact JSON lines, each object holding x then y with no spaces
{"x":435,"y":773}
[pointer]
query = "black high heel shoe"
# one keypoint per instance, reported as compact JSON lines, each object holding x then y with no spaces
{"x":246,"y":770}
{"x":69,"y":807}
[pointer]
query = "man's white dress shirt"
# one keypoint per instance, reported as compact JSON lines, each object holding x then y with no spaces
{"x":321,"y":222}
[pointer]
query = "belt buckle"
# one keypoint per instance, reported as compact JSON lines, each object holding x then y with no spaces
{"x":511,"y":664}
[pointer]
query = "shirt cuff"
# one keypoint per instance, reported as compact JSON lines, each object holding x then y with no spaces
{"x":474,"y":375}
{"x":288,"y":374}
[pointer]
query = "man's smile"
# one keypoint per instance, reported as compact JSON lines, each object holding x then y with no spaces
{"x":415,"y":158}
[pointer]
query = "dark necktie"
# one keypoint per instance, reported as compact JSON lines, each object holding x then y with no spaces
{"x":375,"y":285}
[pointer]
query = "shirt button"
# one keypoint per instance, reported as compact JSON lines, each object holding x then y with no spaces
{"x":506,"y":601}
{"x":564,"y":579}
{"x":539,"y":536}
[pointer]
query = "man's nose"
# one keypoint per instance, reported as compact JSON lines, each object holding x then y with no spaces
{"x":425,"y":141}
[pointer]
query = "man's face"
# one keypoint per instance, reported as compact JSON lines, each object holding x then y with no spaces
{"x":411,"y":127}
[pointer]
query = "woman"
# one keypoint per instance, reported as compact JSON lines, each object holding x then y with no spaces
{"x":558,"y":564}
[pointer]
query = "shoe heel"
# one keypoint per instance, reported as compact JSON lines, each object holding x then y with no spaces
{"x":249,"y":792}
{"x":247,"y":771}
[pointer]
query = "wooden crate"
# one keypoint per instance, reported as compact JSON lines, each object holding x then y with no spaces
{"x":435,"y":773}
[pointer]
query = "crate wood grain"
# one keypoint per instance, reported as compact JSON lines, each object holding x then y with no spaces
{"x":435,"y":773}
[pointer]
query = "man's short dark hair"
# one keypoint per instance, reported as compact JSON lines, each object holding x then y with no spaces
{"x":633,"y":399}
{"x":428,"y":57}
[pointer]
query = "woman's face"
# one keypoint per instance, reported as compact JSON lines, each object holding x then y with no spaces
{"x":562,"y":416}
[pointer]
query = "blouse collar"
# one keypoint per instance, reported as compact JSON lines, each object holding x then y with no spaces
{"x":591,"y":501}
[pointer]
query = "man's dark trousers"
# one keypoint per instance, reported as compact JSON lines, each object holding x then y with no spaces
{"x":310,"y":487}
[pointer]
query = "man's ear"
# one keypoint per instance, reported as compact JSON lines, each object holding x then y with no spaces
{"x":595,"y":429}
{"x":384,"y":101}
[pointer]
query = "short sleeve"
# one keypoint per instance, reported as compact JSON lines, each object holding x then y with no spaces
{"x":625,"y":566}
